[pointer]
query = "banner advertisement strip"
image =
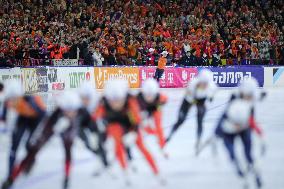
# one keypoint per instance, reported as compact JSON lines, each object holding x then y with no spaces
{"x":230,"y":76}
{"x":172,"y":77}
{"x":103,"y":74}
{"x":9,"y":74}
{"x":65,"y":62}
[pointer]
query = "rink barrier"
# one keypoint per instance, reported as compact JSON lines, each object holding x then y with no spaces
{"x":53,"y":78}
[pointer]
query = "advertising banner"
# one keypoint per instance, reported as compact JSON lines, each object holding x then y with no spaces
{"x":230,"y":76}
{"x":65,"y":62}
{"x":172,"y":77}
{"x":55,"y":83}
{"x":34,"y":79}
{"x":103,"y":74}
{"x":71,"y":77}
{"x":274,"y":76}
{"x":9,"y":74}
{"x":41,"y":77}
{"x":29,"y":76}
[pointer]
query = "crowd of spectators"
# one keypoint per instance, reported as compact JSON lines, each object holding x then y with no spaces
{"x":135,"y":32}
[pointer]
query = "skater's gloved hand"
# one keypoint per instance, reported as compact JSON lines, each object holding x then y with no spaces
{"x":129,"y":139}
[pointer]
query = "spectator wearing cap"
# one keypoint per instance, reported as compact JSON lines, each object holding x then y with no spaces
{"x":161,"y":65}
{"x":150,"y":61}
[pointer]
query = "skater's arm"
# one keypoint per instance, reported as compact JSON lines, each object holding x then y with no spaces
{"x":163,"y":99}
{"x":99,"y":118}
{"x":254,"y":126}
{"x":134,"y":111}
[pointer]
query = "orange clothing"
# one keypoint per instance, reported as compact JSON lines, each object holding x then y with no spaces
{"x":132,"y":50}
{"x":131,"y":111}
{"x":169,"y":47}
{"x":121,"y":50}
{"x":162,"y":62}
{"x":156,"y":33}
{"x":116,"y":132}
{"x":116,"y":129}
{"x":25,"y":109}
{"x":157,"y":117}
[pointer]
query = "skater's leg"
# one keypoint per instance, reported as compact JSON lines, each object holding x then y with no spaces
{"x":83,"y":136}
{"x":31,"y":129}
{"x":246,"y":140}
{"x":146,"y":153}
{"x":16,"y":139}
{"x":229,"y":144}
{"x":101,"y":149}
{"x":201,"y":109}
{"x":116,"y":132}
{"x":68,"y":158}
{"x":181,"y":118}
{"x":129,"y":155}
{"x":159,"y":130}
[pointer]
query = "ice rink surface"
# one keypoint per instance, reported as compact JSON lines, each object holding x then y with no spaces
{"x":182,"y":170}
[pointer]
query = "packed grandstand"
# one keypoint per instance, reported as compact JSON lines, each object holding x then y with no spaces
{"x":135,"y":32}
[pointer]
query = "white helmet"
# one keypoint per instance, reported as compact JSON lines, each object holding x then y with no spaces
{"x":13,"y":89}
{"x":248,"y":86}
{"x":205,"y":75}
{"x":87,"y":90}
{"x":150,"y":87}
{"x":69,"y":101}
{"x":116,"y":89}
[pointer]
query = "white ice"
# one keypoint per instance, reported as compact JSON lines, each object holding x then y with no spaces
{"x":182,"y":169}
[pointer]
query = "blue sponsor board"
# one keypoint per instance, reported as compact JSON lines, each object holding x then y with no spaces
{"x":230,"y":76}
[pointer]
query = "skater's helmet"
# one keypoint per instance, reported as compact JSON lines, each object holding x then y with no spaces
{"x":69,"y":101}
{"x":116,"y":89}
{"x":13,"y":89}
{"x":205,"y":76}
{"x":249,"y":87}
{"x":87,"y":90}
{"x":150,"y":89}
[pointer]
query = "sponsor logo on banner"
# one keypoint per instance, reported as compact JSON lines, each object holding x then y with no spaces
{"x":10,"y":74}
{"x":278,"y":73}
{"x":231,"y":76}
{"x":76,"y":78}
{"x":104,"y":74}
{"x":172,"y":77}
{"x":54,"y":83}
{"x":58,"y":86}
{"x":42,"y":79}
{"x":65,"y":62}
{"x":29,"y":76}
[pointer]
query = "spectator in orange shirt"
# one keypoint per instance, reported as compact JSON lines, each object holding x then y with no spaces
{"x":161,"y":65}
